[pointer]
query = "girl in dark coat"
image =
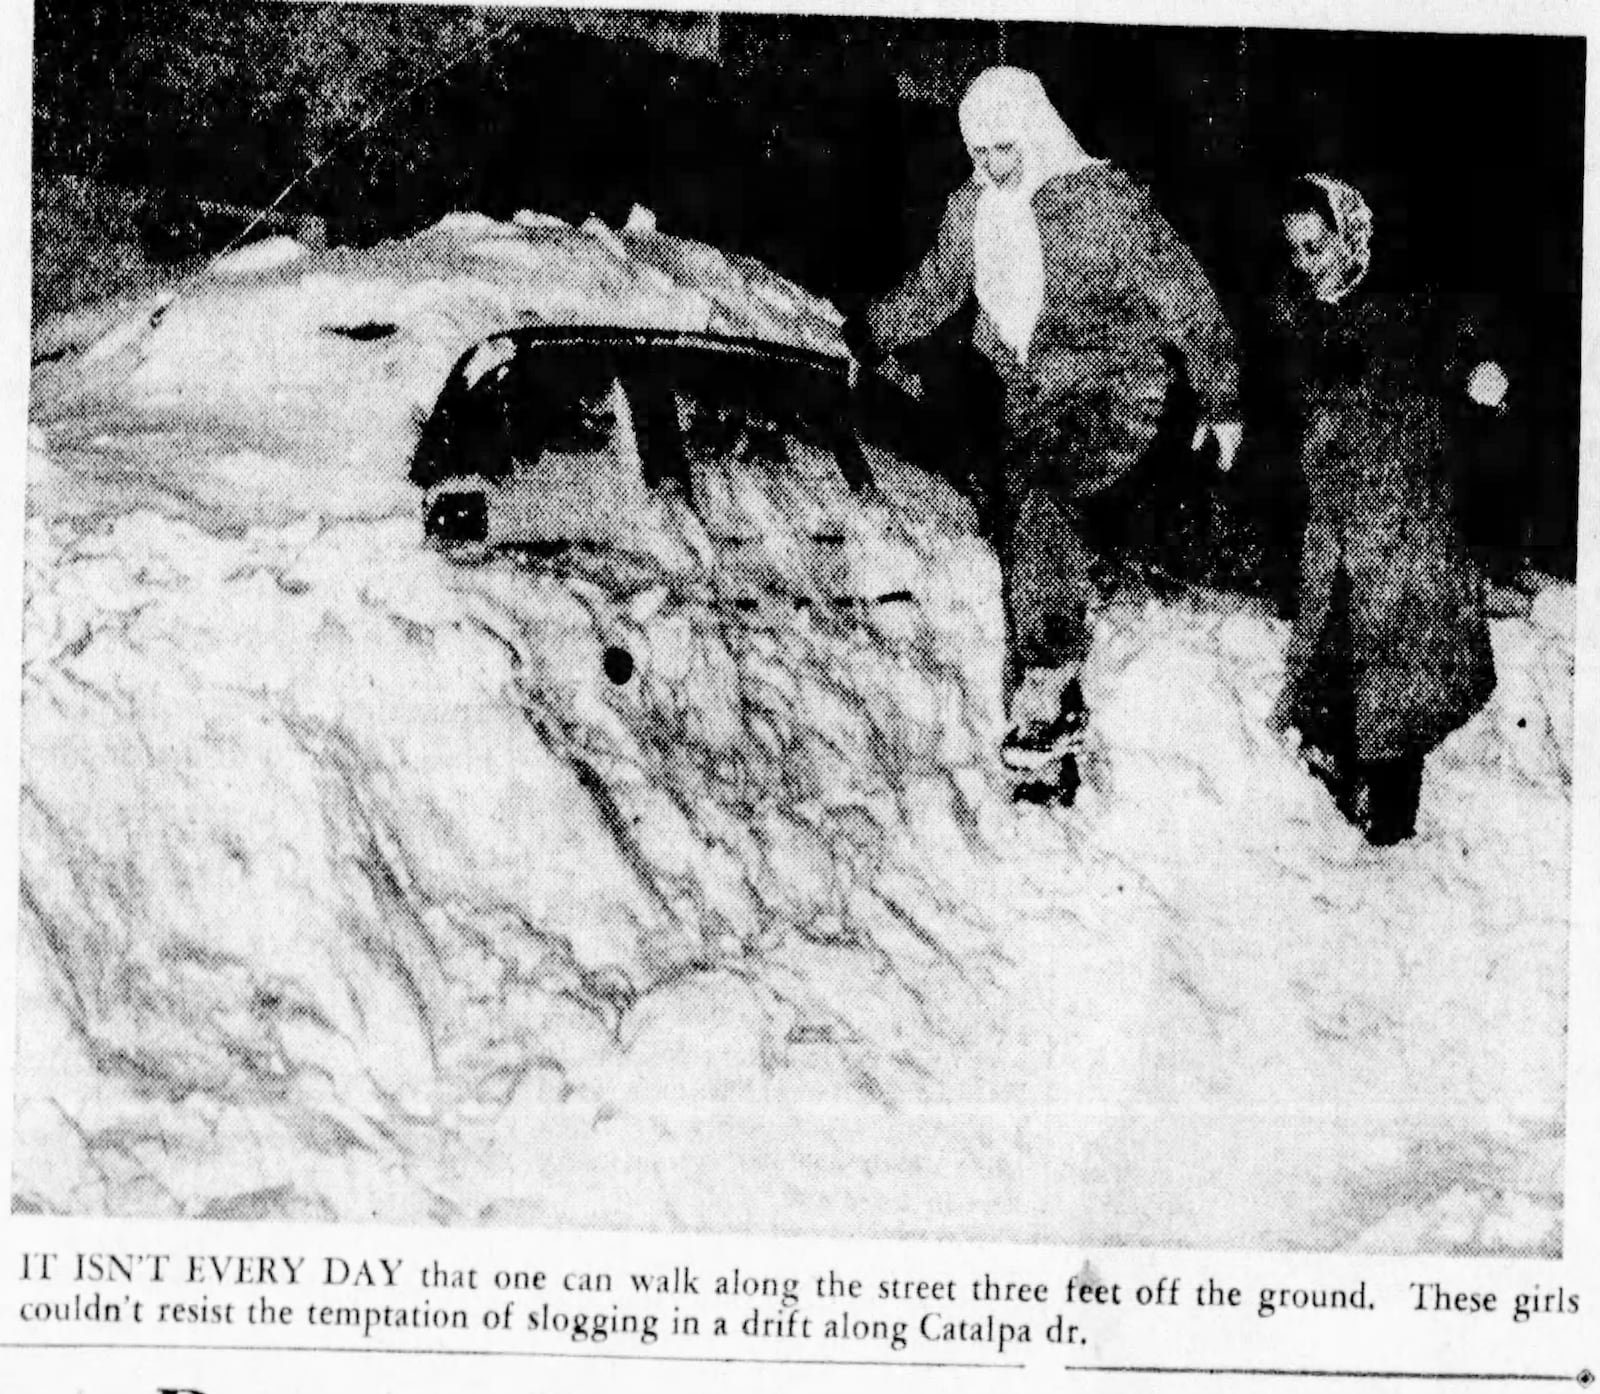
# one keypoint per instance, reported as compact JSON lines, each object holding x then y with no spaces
{"x":1390,"y":647}
{"x":1086,"y":300}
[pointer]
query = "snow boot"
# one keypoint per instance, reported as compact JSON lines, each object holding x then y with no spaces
{"x":1043,"y":756}
{"x":1056,"y":787}
{"x":1393,"y":792}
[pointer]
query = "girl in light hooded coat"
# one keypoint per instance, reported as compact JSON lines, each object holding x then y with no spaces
{"x":1088,"y":307}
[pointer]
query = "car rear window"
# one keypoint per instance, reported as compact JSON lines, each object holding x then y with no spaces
{"x":510,"y":403}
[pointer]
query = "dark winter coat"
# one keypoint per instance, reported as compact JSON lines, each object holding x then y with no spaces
{"x":1391,"y":604}
{"x":1124,"y":301}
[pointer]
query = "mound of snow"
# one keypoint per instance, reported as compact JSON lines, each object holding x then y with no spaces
{"x":356,"y":882}
{"x":268,"y":254}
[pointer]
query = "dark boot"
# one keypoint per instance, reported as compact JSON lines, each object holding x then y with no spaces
{"x":1058,"y":791}
{"x":1046,"y":756}
{"x":1393,"y":789}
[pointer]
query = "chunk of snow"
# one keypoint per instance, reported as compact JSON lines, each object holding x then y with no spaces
{"x":268,"y":254}
{"x":605,"y":236}
{"x":640,"y":221}
{"x":467,"y":226}
{"x":492,"y":354}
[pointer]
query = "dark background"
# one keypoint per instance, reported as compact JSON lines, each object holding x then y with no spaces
{"x":827,"y":148}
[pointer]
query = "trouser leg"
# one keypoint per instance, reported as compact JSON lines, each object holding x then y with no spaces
{"x":1047,"y":582}
{"x":1073,"y":427}
{"x":1067,"y":438}
{"x":1047,"y":599}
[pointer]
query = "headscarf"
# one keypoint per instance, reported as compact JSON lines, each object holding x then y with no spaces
{"x":1352,"y":231}
{"x":1009,"y":106}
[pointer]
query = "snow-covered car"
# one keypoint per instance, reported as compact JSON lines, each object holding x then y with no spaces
{"x":501,"y":741}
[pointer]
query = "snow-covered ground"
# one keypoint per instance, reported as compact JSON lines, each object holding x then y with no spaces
{"x":353,"y":887}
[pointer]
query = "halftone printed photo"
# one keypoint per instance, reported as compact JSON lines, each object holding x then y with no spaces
{"x":777,"y":625}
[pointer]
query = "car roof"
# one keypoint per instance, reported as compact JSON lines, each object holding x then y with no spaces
{"x":687,"y":341}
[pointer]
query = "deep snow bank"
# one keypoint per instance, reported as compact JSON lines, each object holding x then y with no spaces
{"x":353,"y":885}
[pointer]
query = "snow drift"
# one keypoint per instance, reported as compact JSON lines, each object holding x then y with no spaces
{"x":355,"y":886}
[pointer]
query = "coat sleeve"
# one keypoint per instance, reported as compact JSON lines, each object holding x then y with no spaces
{"x":1285,"y":354}
{"x":1171,"y":281}
{"x":936,"y":289}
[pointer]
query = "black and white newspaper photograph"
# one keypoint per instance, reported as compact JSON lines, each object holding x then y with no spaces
{"x":865,"y":694}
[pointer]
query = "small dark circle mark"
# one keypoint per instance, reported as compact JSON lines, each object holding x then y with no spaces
{"x":1522,"y":722}
{"x":618,"y":664}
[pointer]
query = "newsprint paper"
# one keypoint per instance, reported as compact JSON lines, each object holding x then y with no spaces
{"x":865,"y":698}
